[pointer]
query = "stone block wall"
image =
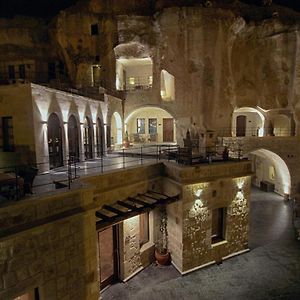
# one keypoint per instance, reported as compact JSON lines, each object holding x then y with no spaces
{"x":130,"y":254}
{"x":58,"y":258}
{"x":198,"y":202}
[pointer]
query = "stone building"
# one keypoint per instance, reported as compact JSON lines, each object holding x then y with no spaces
{"x":101,"y":74}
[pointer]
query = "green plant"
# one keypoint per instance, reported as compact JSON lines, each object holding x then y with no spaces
{"x":162,"y":241}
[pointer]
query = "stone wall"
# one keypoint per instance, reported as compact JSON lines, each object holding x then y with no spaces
{"x":16,"y":102}
{"x":274,"y":144}
{"x":198,"y":201}
{"x":58,"y":258}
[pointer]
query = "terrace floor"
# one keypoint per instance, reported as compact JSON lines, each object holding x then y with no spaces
{"x":271,"y":270}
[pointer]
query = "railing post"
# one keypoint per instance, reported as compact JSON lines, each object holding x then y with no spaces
{"x":123,"y":154}
{"x":69,"y":173}
{"x":17,"y":183}
{"x":101,"y":163}
{"x":141,"y":155}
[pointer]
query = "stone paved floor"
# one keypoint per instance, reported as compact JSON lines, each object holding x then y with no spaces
{"x":271,"y":270}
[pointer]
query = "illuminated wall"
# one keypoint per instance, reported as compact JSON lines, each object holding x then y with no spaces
{"x":198,"y":202}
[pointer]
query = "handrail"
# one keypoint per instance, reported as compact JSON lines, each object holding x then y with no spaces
{"x":26,"y":175}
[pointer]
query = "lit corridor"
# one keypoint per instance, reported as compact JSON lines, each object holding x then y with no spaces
{"x":271,"y":270}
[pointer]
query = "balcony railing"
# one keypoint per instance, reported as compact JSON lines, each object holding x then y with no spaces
{"x":94,"y":90}
{"x":17,"y":181}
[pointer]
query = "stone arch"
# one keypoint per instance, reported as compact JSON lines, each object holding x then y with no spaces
{"x":247,"y":121}
{"x":270,"y":167}
{"x":154,"y":128}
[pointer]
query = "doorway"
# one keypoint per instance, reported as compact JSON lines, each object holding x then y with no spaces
{"x":241,"y":125}
{"x":168,"y":129}
{"x":108,"y":255}
{"x":54,"y":142}
{"x":96,"y":76}
{"x":73,"y":138}
{"x":100,"y":137}
{"x":88,"y":139}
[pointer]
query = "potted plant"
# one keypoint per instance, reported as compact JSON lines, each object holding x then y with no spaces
{"x":162,"y":255}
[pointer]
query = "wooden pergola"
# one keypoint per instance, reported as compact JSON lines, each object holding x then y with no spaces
{"x":112,"y":214}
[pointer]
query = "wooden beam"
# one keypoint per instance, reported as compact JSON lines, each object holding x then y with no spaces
{"x":127,"y":205}
{"x":138,"y":201}
{"x":113,"y":209}
{"x":158,"y":194}
{"x":102,"y":216}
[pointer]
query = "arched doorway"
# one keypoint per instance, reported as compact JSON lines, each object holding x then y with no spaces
{"x":54,"y":142}
{"x":88,"y":139}
{"x":150,"y":125}
{"x":116,"y":129}
{"x":247,"y":121}
{"x":281,"y":125}
{"x":73,"y":138}
{"x":271,"y":170}
{"x":100,"y":137}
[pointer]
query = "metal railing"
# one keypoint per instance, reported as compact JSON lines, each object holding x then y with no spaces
{"x":18,"y":181}
{"x":94,"y":90}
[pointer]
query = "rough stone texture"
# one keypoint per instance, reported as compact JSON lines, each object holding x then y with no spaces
{"x":197,"y":247}
{"x":58,"y":258}
{"x":131,"y":247}
{"x":274,"y":144}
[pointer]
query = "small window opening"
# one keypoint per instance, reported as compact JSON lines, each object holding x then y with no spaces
{"x":94,"y":29}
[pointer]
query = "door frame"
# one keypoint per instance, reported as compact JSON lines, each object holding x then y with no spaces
{"x":116,"y":258}
{"x":163,"y":130}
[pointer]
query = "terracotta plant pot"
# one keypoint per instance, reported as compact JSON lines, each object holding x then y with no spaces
{"x":162,"y":259}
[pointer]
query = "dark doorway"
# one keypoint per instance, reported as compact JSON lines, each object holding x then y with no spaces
{"x":168,"y":130}
{"x":108,"y":255}
{"x":241,"y":125}
{"x":96,"y":76}
{"x":55,"y":142}
{"x":73,"y":138}
{"x":88,"y":139}
{"x":108,"y":137}
{"x":100,"y":137}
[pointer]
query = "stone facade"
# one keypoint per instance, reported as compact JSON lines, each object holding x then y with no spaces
{"x":50,"y":242}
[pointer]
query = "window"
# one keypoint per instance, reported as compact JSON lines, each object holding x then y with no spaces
{"x":140,"y":126}
{"x":152,"y":126}
{"x":131,"y":80}
{"x":22,"y":71}
{"x":94,"y":29}
{"x":51,"y":71}
{"x":7,"y":134}
{"x":144,"y":228}
{"x":11,"y":72}
{"x":218,"y":225}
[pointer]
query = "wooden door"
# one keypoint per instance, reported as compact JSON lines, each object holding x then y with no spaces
{"x":108,"y":256}
{"x":241,"y":125}
{"x":100,"y":138}
{"x":73,"y":139}
{"x":168,"y":130}
{"x":88,"y":139}
{"x":54,"y":142}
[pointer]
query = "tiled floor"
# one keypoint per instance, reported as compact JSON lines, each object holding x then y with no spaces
{"x":271,"y":270}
